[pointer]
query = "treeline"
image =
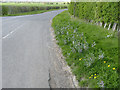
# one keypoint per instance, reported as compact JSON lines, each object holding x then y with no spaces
{"x":8,"y":10}
{"x":105,"y":14}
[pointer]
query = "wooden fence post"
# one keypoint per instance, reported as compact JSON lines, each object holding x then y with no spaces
{"x":109,"y":26}
{"x":105,"y":25}
{"x":114,"y":26}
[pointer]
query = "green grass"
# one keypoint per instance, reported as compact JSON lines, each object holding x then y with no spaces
{"x":90,"y":50}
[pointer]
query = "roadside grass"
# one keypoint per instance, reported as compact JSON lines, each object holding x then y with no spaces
{"x":90,"y":50}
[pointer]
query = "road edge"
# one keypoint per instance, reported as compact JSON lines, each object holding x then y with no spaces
{"x":66,"y":68}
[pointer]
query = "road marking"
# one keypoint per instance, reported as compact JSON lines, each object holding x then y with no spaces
{"x":12,"y":31}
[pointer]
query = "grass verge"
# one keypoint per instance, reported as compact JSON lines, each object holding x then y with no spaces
{"x":91,"y":51}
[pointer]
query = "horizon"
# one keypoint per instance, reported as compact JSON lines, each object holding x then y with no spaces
{"x":35,"y":0}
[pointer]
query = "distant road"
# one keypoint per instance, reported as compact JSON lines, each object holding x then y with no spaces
{"x":25,"y":52}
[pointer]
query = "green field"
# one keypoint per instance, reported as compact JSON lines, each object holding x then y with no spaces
{"x":90,"y":50}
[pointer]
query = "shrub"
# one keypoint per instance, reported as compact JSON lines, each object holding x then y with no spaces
{"x":97,"y":11}
{"x":4,"y":10}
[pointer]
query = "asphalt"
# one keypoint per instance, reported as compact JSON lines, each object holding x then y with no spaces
{"x":26,"y":55}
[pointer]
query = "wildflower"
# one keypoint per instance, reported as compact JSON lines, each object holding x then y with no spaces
{"x":108,"y":65}
{"x":104,"y":61}
{"x":101,"y":56}
{"x":94,"y":77}
{"x":80,"y":59}
{"x":101,"y":84}
{"x":113,"y":68}
{"x":93,"y":44}
{"x":95,"y":74}
{"x":108,"y":35}
{"x":89,"y":77}
{"x":73,"y":42}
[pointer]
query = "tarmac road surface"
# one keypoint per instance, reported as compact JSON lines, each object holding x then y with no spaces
{"x":26,"y":56}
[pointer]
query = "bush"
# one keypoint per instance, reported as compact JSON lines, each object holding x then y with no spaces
{"x":8,"y":10}
{"x":97,"y":11}
{"x":4,"y":10}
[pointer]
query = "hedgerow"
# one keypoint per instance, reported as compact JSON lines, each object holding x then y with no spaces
{"x":90,"y":51}
{"x":4,"y":10}
{"x":9,"y":9}
{"x":104,"y":12}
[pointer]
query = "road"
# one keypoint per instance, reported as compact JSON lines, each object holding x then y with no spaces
{"x":26,"y":54}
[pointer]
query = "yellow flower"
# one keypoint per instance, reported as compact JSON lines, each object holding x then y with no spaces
{"x":80,"y":59}
{"x":95,"y":74}
{"x":108,"y":65}
{"x":89,"y":77}
{"x":113,"y":68}
{"x":104,"y":61}
{"x":94,"y":77}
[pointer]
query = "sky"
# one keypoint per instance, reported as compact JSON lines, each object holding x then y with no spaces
{"x":40,"y":0}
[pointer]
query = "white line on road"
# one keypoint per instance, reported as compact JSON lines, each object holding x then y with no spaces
{"x":12,"y":31}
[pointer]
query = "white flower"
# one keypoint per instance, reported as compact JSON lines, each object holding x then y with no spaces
{"x":67,"y":33}
{"x":82,"y":33}
{"x":108,"y":35}
{"x":101,"y":56}
{"x":73,"y":42}
{"x":93,"y":44}
{"x":101,"y":84}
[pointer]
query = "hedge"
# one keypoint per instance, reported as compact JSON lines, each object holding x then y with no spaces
{"x":8,"y":10}
{"x":104,"y":12}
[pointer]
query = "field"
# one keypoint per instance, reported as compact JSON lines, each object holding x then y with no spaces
{"x":90,"y":50}
{"x":13,"y":9}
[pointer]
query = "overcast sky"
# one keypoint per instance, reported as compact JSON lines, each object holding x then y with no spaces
{"x":40,"y":0}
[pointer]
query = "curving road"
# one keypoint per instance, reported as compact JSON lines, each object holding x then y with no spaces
{"x":25,"y":53}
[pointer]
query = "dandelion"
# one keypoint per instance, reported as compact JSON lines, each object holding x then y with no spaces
{"x":113,"y":68}
{"x":108,"y":65}
{"x":104,"y":61}
{"x":89,"y":77}
{"x":95,"y":74}
{"x":92,"y":75}
{"x":80,"y":59}
{"x":95,"y":77}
